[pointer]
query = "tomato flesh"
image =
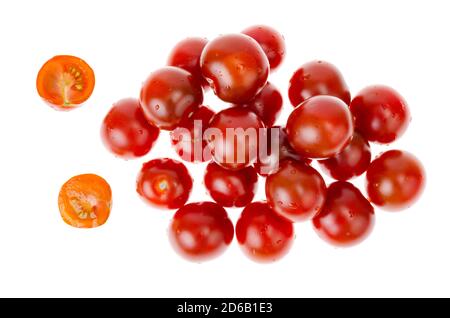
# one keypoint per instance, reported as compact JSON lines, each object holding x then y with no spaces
{"x":65,"y":82}
{"x":85,"y":201}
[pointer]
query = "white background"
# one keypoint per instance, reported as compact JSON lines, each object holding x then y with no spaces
{"x":403,"y":44}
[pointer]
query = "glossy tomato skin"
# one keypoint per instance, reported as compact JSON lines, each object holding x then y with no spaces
{"x":320,"y":127}
{"x":235,"y":67}
{"x":231,"y":188}
{"x":351,"y":162}
{"x":267,"y":104}
{"x":201,"y":231}
{"x":296,"y":191}
{"x":395,"y":180}
{"x":168,"y":94}
{"x":188,"y":138}
{"x":125,"y":130}
{"x":277,"y":149}
{"x":271,"y":41}
{"x":241,"y":151}
{"x":347,"y":218}
{"x":85,"y":201}
{"x":264,"y":236}
{"x":65,"y":82}
{"x":381,"y":114}
{"x":164,"y":183}
{"x":317,"y":78}
{"x":186,"y":55}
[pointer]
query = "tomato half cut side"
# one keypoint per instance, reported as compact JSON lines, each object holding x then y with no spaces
{"x":85,"y":201}
{"x":65,"y":82}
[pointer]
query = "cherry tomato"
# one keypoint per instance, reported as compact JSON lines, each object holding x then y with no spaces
{"x":263,"y":235}
{"x":168,"y":94}
{"x":233,"y":137}
{"x":296,"y":191}
{"x":351,"y":162}
{"x":201,"y":231}
{"x":317,"y":78}
{"x":277,"y":149}
{"x":65,"y":82}
{"x":347,"y":217}
{"x":235,"y":67}
{"x":231,"y":188}
{"x":271,"y":41}
{"x":395,"y":180}
{"x":381,"y":114}
{"x":267,"y":104}
{"x":320,"y":127}
{"x":164,"y":183}
{"x":186,"y":54}
{"x":188,"y":138}
{"x":126,"y":132}
{"x":85,"y":201}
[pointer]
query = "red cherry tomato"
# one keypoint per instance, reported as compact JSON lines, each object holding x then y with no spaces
{"x":164,"y":183}
{"x":317,"y":78}
{"x":186,"y":54}
{"x":168,"y":94}
{"x":235,"y":67}
{"x":381,"y":114}
{"x":351,"y":162}
{"x":231,"y":188}
{"x":347,"y":217}
{"x":296,"y":191}
{"x":277,"y":149}
{"x":263,"y":235}
{"x":126,"y":132}
{"x":201,"y":231}
{"x":233,"y":137}
{"x":320,"y":127}
{"x":65,"y":82}
{"x":271,"y":41}
{"x":188,"y":138}
{"x":267,"y":104}
{"x":395,"y":180}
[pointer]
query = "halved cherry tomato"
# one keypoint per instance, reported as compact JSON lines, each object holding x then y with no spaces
{"x":65,"y":82}
{"x":85,"y":201}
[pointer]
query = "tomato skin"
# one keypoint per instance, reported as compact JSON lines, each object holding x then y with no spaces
{"x":201,"y":231}
{"x":168,"y":94}
{"x":85,"y":201}
{"x":296,"y":191}
{"x":235,"y":67}
{"x":347,"y":218}
{"x":351,"y":162}
{"x":381,"y":114}
{"x":183,"y":138}
{"x":320,"y":127}
{"x":186,"y":55}
{"x":164,"y":183}
{"x":269,"y":161}
{"x":267,"y":104}
{"x":126,"y":132}
{"x":239,"y":152}
{"x":231,"y":188}
{"x":65,"y":82}
{"x":317,"y":78}
{"x":271,"y":41}
{"x":395,"y":180}
{"x":264,"y":236}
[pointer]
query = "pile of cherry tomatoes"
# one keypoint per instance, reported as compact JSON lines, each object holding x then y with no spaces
{"x":326,"y":124}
